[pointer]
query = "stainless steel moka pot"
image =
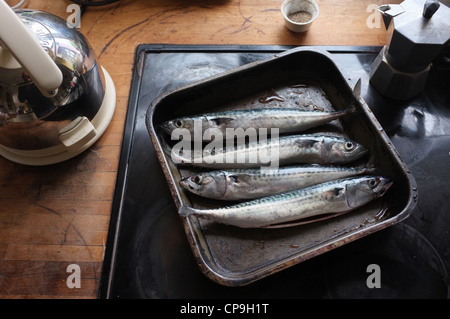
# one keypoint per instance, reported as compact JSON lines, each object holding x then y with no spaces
{"x":418,"y":31}
{"x":55,"y":100}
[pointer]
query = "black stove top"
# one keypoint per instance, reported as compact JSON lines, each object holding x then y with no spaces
{"x":147,"y":253}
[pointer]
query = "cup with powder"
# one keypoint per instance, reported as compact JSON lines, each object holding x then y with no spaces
{"x":299,"y":14}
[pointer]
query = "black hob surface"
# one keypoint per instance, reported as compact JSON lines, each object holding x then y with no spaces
{"x":148,"y":255}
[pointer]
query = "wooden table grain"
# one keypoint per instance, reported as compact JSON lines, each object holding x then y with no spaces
{"x":58,"y":215}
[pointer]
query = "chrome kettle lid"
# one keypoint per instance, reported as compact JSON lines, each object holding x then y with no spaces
{"x":52,"y":124}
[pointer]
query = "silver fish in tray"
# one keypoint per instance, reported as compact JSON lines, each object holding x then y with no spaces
{"x":286,"y":120}
{"x":299,"y":149}
{"x":244,"y":184}
{"x":287,"y":209}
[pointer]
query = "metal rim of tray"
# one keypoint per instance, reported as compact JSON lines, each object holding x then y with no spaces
{"x":203,"y":255}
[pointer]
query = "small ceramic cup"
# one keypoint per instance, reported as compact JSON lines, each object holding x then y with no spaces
{"x":301,"y":7}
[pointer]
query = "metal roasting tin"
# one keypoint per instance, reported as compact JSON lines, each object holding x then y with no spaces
{"x":303,"y":77}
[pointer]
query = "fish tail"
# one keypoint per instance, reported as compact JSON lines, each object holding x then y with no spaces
{"x":351,"y":110}
{"x":185,"y":211}
{"x":367,"y":168}
{"x":370,"y":168}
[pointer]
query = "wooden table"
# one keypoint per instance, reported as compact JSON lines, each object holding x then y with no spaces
{"x":58,"y":215}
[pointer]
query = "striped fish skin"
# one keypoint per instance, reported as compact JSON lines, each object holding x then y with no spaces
{"x":287,"y":120}
{"x":338,"y":196}
{"x":244,"y":184}
{"x":292,"y":149}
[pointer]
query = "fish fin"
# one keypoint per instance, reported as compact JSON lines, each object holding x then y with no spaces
{"x":305,"y":220}
{"x":185,"y":211}
{"x":334,"y":192}
{"x":369,"y":168}
{"x":239,"y":178}
{"x":338,"y":190}
{"x":357,"y":89}
{"x":307,"y":143}
{"x":221,"y":120}
{"x":357,"y":95}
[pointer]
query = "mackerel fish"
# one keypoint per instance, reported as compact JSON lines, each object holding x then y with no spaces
{"x":286,"y":209}
{"x":292,"y":149}
{"x":286,"y":120}
{"x":244,"y":184}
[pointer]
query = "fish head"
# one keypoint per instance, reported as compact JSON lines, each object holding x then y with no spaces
{"x":193,"y":125}
{"x":364,"y":189}
{"x":205,"y":184}
{"x":178,"y":123}
{"x":343,"y":150}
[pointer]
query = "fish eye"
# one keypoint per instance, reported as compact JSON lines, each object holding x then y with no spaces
{"x":349,"y":145}
{"x":197,"y":179}
{"x":178,"y":123}
{"x":373,"y":182}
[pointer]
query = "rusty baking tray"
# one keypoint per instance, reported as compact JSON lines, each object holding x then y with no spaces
{"x":302,"y":77}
